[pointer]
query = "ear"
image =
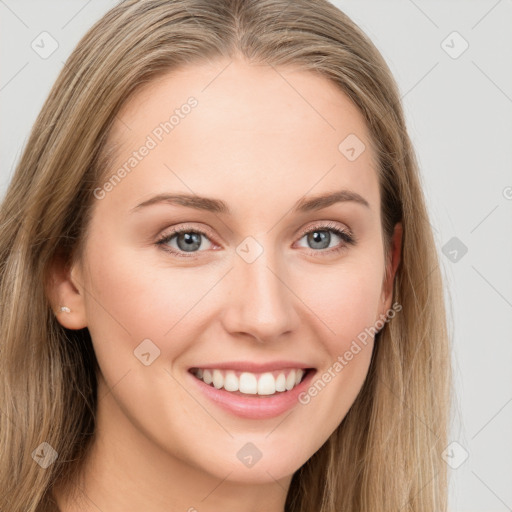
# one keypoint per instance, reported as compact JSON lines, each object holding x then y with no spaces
{"x":62,"y":291}
{"x":391,"y":266}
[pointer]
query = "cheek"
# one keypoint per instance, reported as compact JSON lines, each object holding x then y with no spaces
{"x":346,"y":303}
{"x":134,"y":296}
{"x":345,"y":299}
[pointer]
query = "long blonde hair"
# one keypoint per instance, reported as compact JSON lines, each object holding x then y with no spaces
{"x":386,"y":453}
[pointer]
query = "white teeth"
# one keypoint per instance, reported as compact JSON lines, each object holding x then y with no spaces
{"x":231,"y":381}
{"x":281,"y":382}
{"x":267,"y":383}
{"x":207,"y":376}
{"x":248,"y":383}
{"x":290,"y":380}
{"x":218,"y":379}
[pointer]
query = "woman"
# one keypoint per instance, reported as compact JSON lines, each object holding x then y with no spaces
{"x":219,"y":283}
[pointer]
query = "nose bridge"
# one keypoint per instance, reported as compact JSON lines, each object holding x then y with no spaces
{"x":261,"y":305}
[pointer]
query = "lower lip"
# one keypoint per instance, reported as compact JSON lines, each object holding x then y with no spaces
{"x":254,"y":407}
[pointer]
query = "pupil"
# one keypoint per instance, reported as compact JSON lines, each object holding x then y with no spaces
{"x":192,"y":241}
{"x":321,"y":238}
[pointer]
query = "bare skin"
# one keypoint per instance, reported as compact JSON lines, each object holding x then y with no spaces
{"x":260,"y":144}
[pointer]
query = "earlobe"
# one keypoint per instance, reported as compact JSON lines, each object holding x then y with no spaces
{"x":65,"y":298}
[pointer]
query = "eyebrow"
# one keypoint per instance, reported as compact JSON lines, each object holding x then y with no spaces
{"x":218,"y":206}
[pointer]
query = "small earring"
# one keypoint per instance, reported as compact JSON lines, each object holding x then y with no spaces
{"x":65,"y":309}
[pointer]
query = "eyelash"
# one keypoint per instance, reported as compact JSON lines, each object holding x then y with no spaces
{"x":347,"y":237}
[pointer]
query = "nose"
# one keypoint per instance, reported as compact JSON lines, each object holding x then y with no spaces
{"x":261,"y":304}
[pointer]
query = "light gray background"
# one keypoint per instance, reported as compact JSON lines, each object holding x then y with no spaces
{"x":459,"y":117}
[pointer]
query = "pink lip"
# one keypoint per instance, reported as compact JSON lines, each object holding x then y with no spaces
{"x":250,"y":366}
{"x":254,"y":407}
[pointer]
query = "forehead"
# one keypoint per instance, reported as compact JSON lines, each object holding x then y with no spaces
{"x":254,"y":130}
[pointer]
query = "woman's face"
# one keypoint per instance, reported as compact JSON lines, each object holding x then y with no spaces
{"x":259,"y":281}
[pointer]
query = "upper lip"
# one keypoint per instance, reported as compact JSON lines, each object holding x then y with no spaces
{"x":251,"y":366}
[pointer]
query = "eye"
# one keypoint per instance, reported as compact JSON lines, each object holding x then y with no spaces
{"x":320,"y":238}
{"x":182,"y":241}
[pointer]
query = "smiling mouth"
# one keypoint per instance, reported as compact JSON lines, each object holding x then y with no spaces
{"x":251,"y":383}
